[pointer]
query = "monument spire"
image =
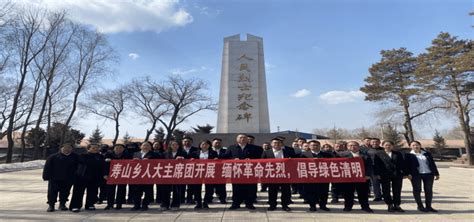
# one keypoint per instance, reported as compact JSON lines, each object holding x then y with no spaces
{"x":243,"y":103}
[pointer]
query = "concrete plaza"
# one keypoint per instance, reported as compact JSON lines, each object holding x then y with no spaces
{"x":23,"y":198}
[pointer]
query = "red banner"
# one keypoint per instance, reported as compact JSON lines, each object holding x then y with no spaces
{"x":195,"y":171}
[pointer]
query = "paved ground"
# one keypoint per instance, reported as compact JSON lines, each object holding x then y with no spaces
{"x":23,"y":198}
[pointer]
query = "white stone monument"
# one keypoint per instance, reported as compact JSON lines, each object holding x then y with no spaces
{"x":243,"y":103}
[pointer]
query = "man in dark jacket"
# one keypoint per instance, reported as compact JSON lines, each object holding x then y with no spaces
{"x":186,"y":191}
{"x":90,"y":173}
{"x":220,"y":188}
{"x":376,"y":186}
{"x":277,"y":152}
{"x":391,"y":168}
{"x":119,"y":153}
{"x":316,"y":192}
{"x":362,"y":188}
{"x":147,"y":189}
{"x":59,"y":171}
{"x":243,"y":192}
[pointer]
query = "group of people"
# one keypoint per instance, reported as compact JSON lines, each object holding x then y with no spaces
{"x":385,"y":169}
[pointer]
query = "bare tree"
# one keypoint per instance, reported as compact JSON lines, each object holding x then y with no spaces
{"x":29,"y":39}
{"x":7,"y":92}
{"x":147,"y":104}
{"x":108,"y":104}
{"x":89,"y":61}
{"x":5,"y":20}
{"x":186,"y":97}
{"x":50,"y":64}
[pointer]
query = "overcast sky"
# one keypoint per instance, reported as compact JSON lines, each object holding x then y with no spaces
{"x":317,"y":53}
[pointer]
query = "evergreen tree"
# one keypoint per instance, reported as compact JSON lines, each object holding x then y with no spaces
{"x":159,"y":135}
{"x":446,"y":73}
{"x":439,"y":143}
{"x":390,"y":133}
{"x":126,"y":138}
{"x":392,"y":81}
{"x":207,"y":129}
{"x":96,"y":137}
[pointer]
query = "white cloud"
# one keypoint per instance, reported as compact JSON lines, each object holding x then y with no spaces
{"x":337,"y":97}
{"x":180,"y":71}
{"x":301,"y":93}
{"x":134,"y":56}
{"x":111,"y":16}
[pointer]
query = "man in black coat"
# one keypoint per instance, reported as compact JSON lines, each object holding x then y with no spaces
{"x":374,"y":149}
{"x":145,"y":153}
{"x":362,"y":188}
{"x":186,"y":191}
{"x":119,"y":153}
{"x":59,"y":171}
{"x":277,"y":152}
{"x":205,"y":153}
{"x":390,"y":168}
{"x":243,"y":192}
{"x":316,"y":192}
{"x":89,"y":175}
{"x":220,"y":189}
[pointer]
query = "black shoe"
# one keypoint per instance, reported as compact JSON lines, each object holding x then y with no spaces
{"x":377,"y":199}
{"x":271,"y":208}
{"x":291,"y":202}
{"x":90,"y":208}
{"x":347,"y":209}
{"x":118,"y":207}
{"x":334,"y":201}
{"x":313,"y":209}
{"x":422,"y":209}
{"x":399,"y":209}
{"x":62,"y":207}
{"x":205,"y":206}
{"x":391,"y":208}
{"x":223,"y":201}
{"x":144,"y":208}
{"x":76,"y":210}
{"x":325,"y":208}
{"x":250,"y":207}
{"x":135,"y":208}
{"x":431,"y":210}
{"x":367,"y":209}
{"x":286,"y":208}
{"x":234,"y":207}
{"x":50,"y":208}
{"x":108,"y":207}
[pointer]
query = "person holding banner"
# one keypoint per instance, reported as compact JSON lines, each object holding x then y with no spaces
{"x":276,"y":152}
{"x":316,"y":192}
{"x":174,"y":152}
{"x":362,"y":188}
{"x":90,"y":173}
{"x":390,"y":168}
{"x":119,"y":153}
{"x":145,"y":153}
{"x":219,"y":188}
{"x":243,"y":192}
{"x":204,"y":154}
{"x":186,"y":192}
